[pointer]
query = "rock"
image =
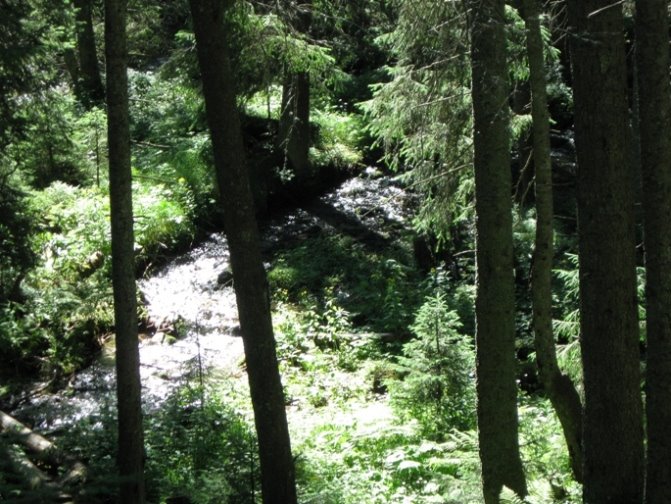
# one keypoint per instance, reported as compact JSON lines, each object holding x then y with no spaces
{"x":225,"y":278}
{"x":372,"y":172}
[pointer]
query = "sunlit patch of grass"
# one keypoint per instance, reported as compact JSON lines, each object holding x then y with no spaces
{"x":265,"y":104}
{"x":340,"y":138}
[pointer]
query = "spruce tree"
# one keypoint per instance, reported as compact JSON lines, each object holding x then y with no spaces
{"x":130,"y":457}
{"x":612,"y":421}
{"x":559,"y":388}
{"x":654,"y":84}
{"x":494,"y":305}
{"x":250,"y":283}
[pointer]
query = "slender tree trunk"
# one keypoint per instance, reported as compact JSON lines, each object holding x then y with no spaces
{"x":251,"y":287}
{"x":559,"y":388}
{"x":294,"y":132}
{"x":294,"y":129}
{"x":612,"y":421}
{"x":652,"y":54}
{"x":495,"y":330}
{"x":131,"y":450}
{"x":89,"y":71}
{"x":72,"y":66}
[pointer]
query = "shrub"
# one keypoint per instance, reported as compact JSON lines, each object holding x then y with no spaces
{"x":200,"y":448}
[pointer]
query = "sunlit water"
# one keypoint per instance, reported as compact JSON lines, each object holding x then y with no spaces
{"x":188,"y":296}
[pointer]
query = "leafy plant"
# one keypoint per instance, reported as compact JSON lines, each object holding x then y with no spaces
{"x":200,"y":448}
{"x":376,"y":289}
{"x":357,"y":461}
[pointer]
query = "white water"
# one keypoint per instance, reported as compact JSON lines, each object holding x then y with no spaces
{"x":185,"y":293}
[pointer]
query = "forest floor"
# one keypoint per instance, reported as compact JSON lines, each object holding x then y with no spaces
{"x":346,"y":296}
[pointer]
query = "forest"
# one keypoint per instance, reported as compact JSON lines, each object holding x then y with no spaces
{"x":335,"y":252}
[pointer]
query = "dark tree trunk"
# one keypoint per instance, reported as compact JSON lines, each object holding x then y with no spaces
{"x":251,"y":287}
{"x":559,"y":388}
{"x":294,"y":132}
{"x":652,"y":51}
{"x":72,"y":66}
{"x":612,"y":421}
{"x":131,"y":450}
{"x":90,"y":84}
{"x":495,"y":330}
{"x":294,"y":129}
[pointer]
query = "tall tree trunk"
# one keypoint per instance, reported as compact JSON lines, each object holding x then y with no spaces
{"x":131,"y":450}
{"x":294,"y":128}
{"x":559,"y":388}
{"x":612,"y":421}
{"x":72,"y":66}
{"x":652,"y":54}
{"x":495,"y":329}
{"x":89,"y":71}
{"x":251,"y":287}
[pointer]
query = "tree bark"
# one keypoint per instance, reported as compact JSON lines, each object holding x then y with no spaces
{"x":32,"y":440}
{"x":43,"y":448}
{"x":130,"y":457}
{"x":652,"y":57}
{"x":294,"y":128}
{"x":495,"y":330}
{"x":559,"y":388}
{"x":612,"y":421}
{"x":90,"y":83}
{"x":250,"y":283}
{"x":29,"y":473}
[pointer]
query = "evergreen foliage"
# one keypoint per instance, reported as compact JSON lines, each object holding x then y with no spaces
{"x":437,"y":369}
{"x":422,"y":115}
{"x":375,"y":345}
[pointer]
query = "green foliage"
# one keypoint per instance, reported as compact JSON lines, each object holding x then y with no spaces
{"x":377,"y":291}
{"x":68,"y":295}
{"x":20,"y":338}
{"x":16,"y":229}
{"x":567,"y":322}
{"x":21,"y":39}
{"x":68,"y":301}
{"x":196,"y":447}
{"x":163,"y":218}
{"x":202,"y":449}
{"x":567,"y":326}
{"x":339,"y":140}
{"x":560,"y":101}
{"x":373,"y":461}
{"x":518,"y":63}
{"x":545,"y":456}
{"x":340,"y":137}
{"x":262,"y":48}
{"x":48,"y":152}
{"x":73,"y":225}
{"x":438,"y":387}
{"x":164,"y":110}
{"x":421,"y":117}
{"x":292,"y":341}
{"x":173,"y":150}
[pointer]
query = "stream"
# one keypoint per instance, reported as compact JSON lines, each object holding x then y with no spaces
{"x":191,"y":303}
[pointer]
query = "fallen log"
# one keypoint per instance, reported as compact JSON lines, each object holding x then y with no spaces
{"x":19,"y":432}
{"x":43,"y":448}
{"x":29,"y":473}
